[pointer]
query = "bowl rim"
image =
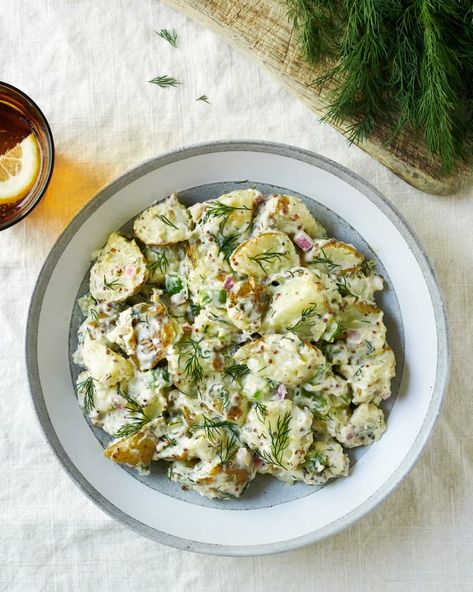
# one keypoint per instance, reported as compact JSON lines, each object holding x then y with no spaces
{"x":51,"y":155}
{"x":314,"y":159}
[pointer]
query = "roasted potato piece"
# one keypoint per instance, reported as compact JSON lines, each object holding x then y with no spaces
{"x":282,"y":358}
{"x":166,"y":223}
{"x":119,"y":271}
{"x":145,"y":332}
{"x":264,"y":254}
{"x":103,"y":363}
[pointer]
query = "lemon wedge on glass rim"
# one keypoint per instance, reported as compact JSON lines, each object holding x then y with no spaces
{"x":19,"y":169}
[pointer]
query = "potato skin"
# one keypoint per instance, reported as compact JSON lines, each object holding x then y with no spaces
{"x":136,"y":450}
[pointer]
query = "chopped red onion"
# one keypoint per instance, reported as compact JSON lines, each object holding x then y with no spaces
{"x":281,"y":392}
{"x":229,"y":283}
{"x":303,"y":241}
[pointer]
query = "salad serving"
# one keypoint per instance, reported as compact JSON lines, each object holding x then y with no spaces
{"x":232,"y":338}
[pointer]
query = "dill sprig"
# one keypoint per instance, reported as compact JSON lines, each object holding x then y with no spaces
{"x":168,"y":35}
{"x":267,"y":257}
{"x":324,"y":260}
{"x":344,"y":287}
{"x":220,"y":433}
{"x":191,"y":353}
{"x":237,"y":371}
{"x":87,"y":386}
{"x":112,"y":284}
{"x":203,"y":99}
{"x":165,"y":220}
{"x":367,"y":267}
{"x":161,"y":262}
{"x":309,"y":318}
{"x":217,"y":209}
{"x":260,"y":410}
{"x":401,"y":65}
{"x":94,"y":314}
{"x":227,"y":244}
{"x":164,"y":81}
{"x":137,"y":421}
{"x":228,"y":446}
{"x":213,"y":427}
{"x":279,"y":437}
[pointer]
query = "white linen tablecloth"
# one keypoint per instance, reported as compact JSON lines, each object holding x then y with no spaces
{"x":87,"y":63}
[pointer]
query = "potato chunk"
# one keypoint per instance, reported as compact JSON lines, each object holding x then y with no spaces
{"x":264,"y":254}
{"x":166,"y":223}
{"x":282,"y":358}
{"x":119,"y":271}
{"x":221,"y":480}
{"x":138,"y":449}
{"x":333,"y":256}
{"x":145,"y":332}
{"x":302,"y":304}
{"x":290,"y":215}
{"x":279,"y":431}
{"x":246,"y":304}
{"x":103,"y":363}
{"x":366,"y":425}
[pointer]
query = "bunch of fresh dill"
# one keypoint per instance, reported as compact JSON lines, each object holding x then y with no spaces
{"x":407,"y":64}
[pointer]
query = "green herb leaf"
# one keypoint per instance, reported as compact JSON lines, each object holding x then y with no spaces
{"x":168,"y":35}
{"x":266,"y":258}
{"x":204,"y":99}
{"x":237,"y":371}
{"x":165,"y":220}
{"x":138,"y":419}
{"x":112,"y":284}
{"x":164,"y":81}
{"x":191,"y":353}
{"x":87,"y":386}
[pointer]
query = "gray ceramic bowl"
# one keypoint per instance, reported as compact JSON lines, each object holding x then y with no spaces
{"x":273,"y":516}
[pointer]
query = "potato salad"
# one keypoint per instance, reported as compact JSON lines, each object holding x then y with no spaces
{"x":231,"y":338}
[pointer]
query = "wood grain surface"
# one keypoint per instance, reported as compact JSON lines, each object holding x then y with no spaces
{"x":261,"y":28}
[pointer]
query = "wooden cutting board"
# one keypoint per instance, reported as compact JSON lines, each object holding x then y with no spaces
{"x":261,"y":28}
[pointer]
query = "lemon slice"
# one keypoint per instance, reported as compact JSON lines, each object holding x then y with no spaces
{"x":19,"y":168}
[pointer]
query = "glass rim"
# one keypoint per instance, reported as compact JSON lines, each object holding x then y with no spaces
{"x":49,"y":156}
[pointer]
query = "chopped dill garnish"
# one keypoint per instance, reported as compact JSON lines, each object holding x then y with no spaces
{"x":161,"y":262}
{"x":165,"y":220}
{"x":112,"y":285}
{"x":217,"y":209}
{"x":168,"y":35}
{"x":164,"y":81}
{"x":203,"y":99}
{"x":279,"y":436}
{"x":138,"y":420}
{"x":324,"y":260}
{"x":237,"y":371}
{"x":367,"y":267}
{"x":344,"y":287}
{"x":191,"y":353}
{"x":94,"y":314}
{"x":260,"y":410}
{"x":228,"y":446}
{"x":309,"y":318}
{"x":87,"y":386}
{"x":227,"y":244}
{"x":267,"y":257}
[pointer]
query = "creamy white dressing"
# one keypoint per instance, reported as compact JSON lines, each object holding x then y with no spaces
{"x":240,"y":339}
